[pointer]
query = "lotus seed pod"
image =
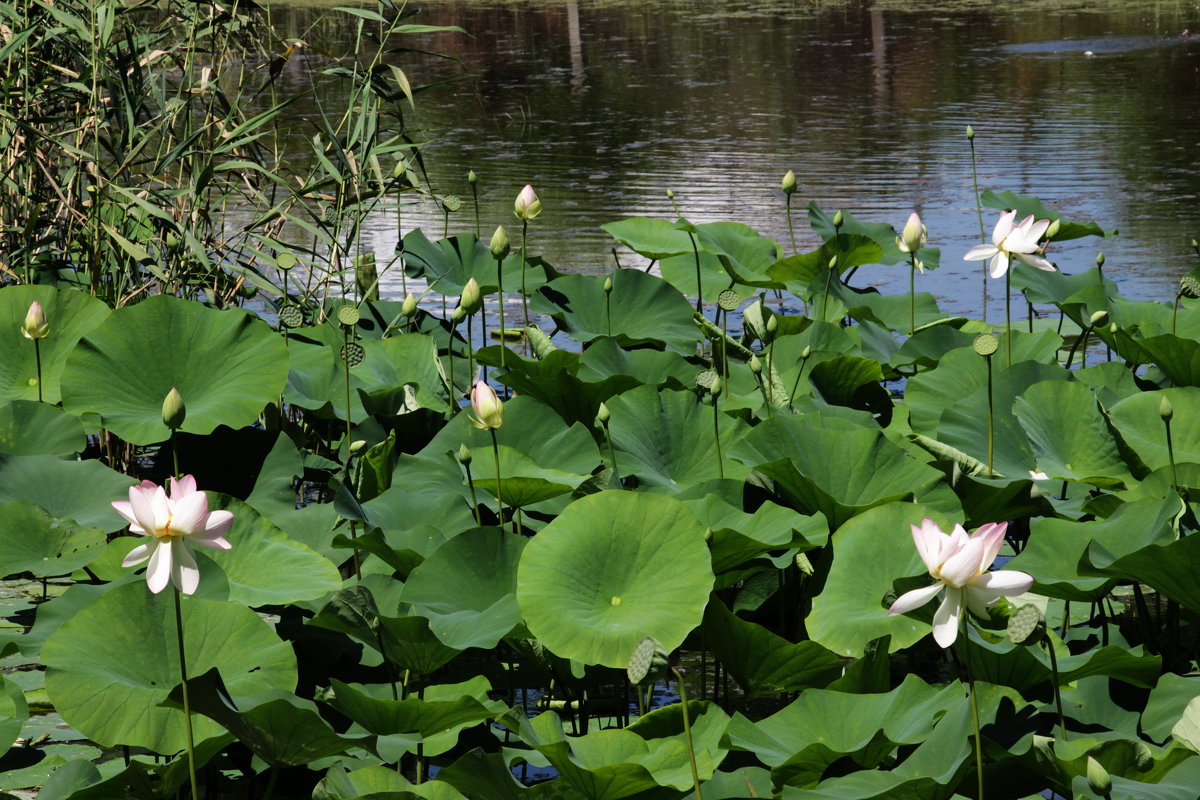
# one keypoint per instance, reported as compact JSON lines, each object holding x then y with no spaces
{"x":35,"y":326}
{"x":1099,"y":319}
{"x":755,"y":365}
{"x":464,"y":454}
{"x":173,"y":410}
{"x":838,"y":219}
{"x":608,"y":284}
{"x":728,"y":300}
{"x":527,"y":205}
{"x":970,"y":133}
{"x":1023,"y":625}
{"x":472,"y":178}
{"x":499,"y":244}
{"x":985,"y":344}
{"x":1098,"y":778}
{"x":705,"y":378}
{"x":352,"y":354}
{"x":788,"y":184}
{"x":348,"y":315}
{"x":603,"y":414}
{"x":1165,"y":409}
{"x":458,"y":315}
{"x":1100,"y":259}
{"x":409,"y":306}
{"x":1189,"y":285}
{"x":472,"y":298}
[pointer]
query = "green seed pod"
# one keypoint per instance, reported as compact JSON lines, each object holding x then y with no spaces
{"x":788,"y":184}
{"x":1189,"y":285}
{"x":985,"y":344}
{"x":1165,"y":409}
{"x":1025,"y":625}
{"x":352,"y":354}
{"x":173,"y":410}
{"x":728,"y":300}
{"x":291,"y":316}
{"x":285,"y":260}
{"x":464,"y":454}
{"x":499,"y":244}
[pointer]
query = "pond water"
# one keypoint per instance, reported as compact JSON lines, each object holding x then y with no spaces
{"x":604,"y":106}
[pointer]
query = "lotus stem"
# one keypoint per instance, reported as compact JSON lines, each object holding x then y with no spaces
{"x":187,"y":706}
{"x":1062,"y":723}
{"x":699,"y":285}
{"x":37,"y":356}
{"x":979,"y":212}
{"x":499,"y":484}
{"x":1080,"y":340}
{"x":964,"y":663}
{"x":470,"y":352}
{"x":612,"y":453}
{"x":1174,"y":317}
{"x":500,"y":297}
{"x":474,"y":497}
{"x":524,"y":295}
{"x":991,"y":406}
{"x":799,"y":374}
{"x":1008,"y":314}
{"x":912,"y":294}
{"x":717,"y":437}
{"x":687,"y":733}
{"x":791,"y":231}
{"x":1171,"y":456}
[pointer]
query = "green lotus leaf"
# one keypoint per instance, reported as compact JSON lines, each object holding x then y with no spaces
{"x":761,"y":661}
{"x":1171,"y":568}
{"x":1176,"y":356}
{"x":1137,"y":418}
{"x":738,"y":537}
{"x":1071,"y":437}
{"x":881,"y":233}
{"x":1167,"y":702}
{"x":680,"y":272}
{"x":227,"y":365}
{"x":553,"y":381}
{"x":522,"y":481}
{"x":482,"y":565}
{"x":37,"y":542}
{"x":449,"y":263}
{"x":378,"y":782}
{"x":13,"y":713}
{"x":33,"y":429}
{"x":1024,"y":206}
{"x":1141,"y":770}
{"x":851,"y":251}
{"x":666,"y":438}
{"x":641,"y":309}
{"x":605,"y":359}
{"x":745,"y":254}
{"x":424,"y":491}
{"x":113,"y":662}
{"x":839,"y":473}
{"x":652,"y":238}
{"x":871,"y":552}
{"x":82,"y":491}
{"x":663,"y":729}
{"x":1022,"y":668}
{"x":71,"y":315}
{"x":592,"y":583}
{"x":277,"y":726}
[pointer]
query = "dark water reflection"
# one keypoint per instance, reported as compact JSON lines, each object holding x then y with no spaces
{"x":605,"y":106}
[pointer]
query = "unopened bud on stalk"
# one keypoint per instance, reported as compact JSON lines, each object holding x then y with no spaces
{"x":788,"y":184}
{"x":489,"y":411}
{"x":471,"y":299}
{"x":527,"y":205}
{"x":716,"y":387}
{"x":1165,"y":409}
{"x":499,"y":244}
{"x":838,"y":218}
{"x":35,"y":326}
{"x":1099,"y":319}
{"x":1100,"y":259}
{"x":806,"y":352}
{"x":173,"y":410}
{"x":914,"y":235}
{"x":1098,"y":778}
{"x":608,"y":284}
{"x":472,"y":178}
{"x":755,"y":365}
{"x":603,"y":414}
{"x":670,"y":194}
{"x":458,"y":315}
{"x":409,"y":306}
{"x":357,"y":446}
{"x":772,"y":328}
{"x":464,"y":454}
{"x":970,"y":133}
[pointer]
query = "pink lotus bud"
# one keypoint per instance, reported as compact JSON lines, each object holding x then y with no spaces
{"x":527,"y":205}
{"x":489,"y":411}
{"x":35,"y":326}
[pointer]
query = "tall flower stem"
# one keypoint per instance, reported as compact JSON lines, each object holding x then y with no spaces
{"x":687,"y":733}
{"x":524,"y":295}
{"x":499,"y":484}
{"x":966,"y":668}
{"x":791,"y":231}
{"x":1008,"y":314}
{"x":912,"y":294}
{"x":37,"y":355}
{"x":979,"y":211}
{"x":699,"y":285}
{"x":717,"y":433}
{"x":500,"y":298}
{"x":991,"y":415}
{"x":1062,"y":724}
{"x":474,"y":498}
{"x":187,"y":706}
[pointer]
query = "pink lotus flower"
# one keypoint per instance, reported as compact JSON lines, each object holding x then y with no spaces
{"x":489,"y":410}
{"x":1012,"y":241}
{"x":959,"y":564}
{"x":173,"y":521}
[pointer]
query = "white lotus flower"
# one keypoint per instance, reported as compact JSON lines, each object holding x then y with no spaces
{"x":173,"y":522}
{"x":959,"y":563}
{"x":1011,"y":241}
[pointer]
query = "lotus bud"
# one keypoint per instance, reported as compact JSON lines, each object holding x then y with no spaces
{"x":603,"y":414}
{"x":1099,"y":319}
{"x":357,"y":446}
{"x":1196,"y":246}
{"x":833,"y":262}
{"x":527,"y":206}
{"x":464,"y":454}
{"x":35,"y":326}
{"x":806,"y":352}
{"x":970,"y":133}
{"x":755,"y":365}
{"x":458,"y":315}
{"x":499,"y":244}
{"x":472,"y":178}
{"x":409,"y":306}
{"x":173,"y":410}
{"x":1165,"y":409}
{"x":472,"y":298}
{"x":670,"y":194}
{"x":914,"y":235}
{"x":716,"y":387}
{"x":838,"y":219}
{"x":608,"y":284}
{"x":489,"y":411}
{"x":788,"y":184}
{"x":1100,"y":259}
{"x":772,"y":328}
{"x":1052,"y":229}
{"x":1098,"y":778}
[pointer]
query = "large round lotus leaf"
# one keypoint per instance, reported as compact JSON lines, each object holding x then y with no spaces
{"x":227,"y":366}
{"x":111,"y":664}
{"x":640,"y":309}
{"x":612,"y":569}
{"x":1139,"y":422}
{"x":36,"y":542}
{"x":29,"y":428}
{"x":70,"y":314}
{"x":78,"y":490}
{"x":653,"y":238}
